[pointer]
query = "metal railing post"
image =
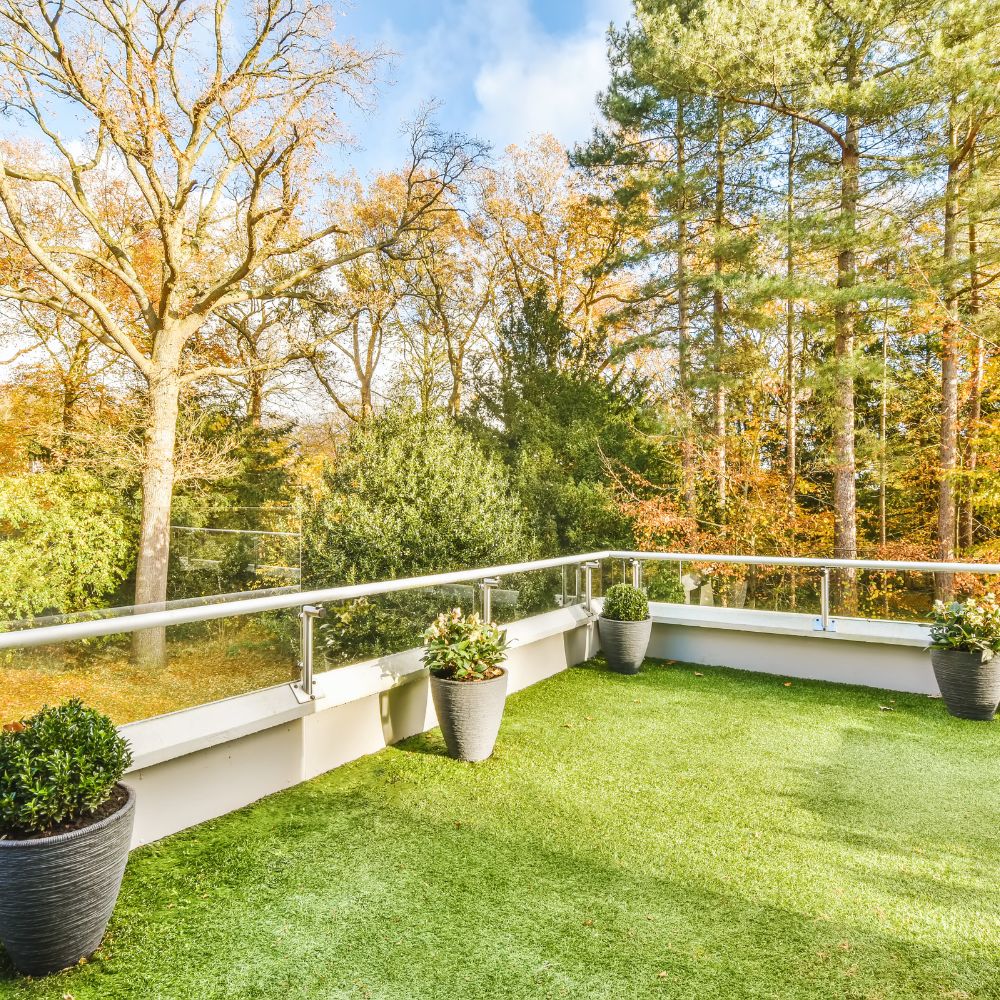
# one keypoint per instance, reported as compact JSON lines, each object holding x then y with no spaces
{"x":636,"y":573}
{"x":486,"y":586}
{"x":588,"y":585}
{"x":823,"y":622}
{"x":308,"y":614}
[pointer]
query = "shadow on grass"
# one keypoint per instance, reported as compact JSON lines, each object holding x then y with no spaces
{"x":430,"y":744}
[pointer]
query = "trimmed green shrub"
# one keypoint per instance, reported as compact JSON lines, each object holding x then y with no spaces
{"x":623,"y":603}
{"x":464,"y":647}
{"x":57,"y":767}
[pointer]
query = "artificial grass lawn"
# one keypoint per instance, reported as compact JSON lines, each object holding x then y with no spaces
{"x":686,"y":833}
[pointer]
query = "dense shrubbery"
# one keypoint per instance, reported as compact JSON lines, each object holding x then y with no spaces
{"x":563,"y":425}
{"x":66,"y":542}
{"x":409,"y":496}
{"x":58,"y":766}
{"x":406,"y":497}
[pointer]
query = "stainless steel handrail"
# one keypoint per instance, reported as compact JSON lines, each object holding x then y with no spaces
{"x":809,"y":561}
{"x":70,"y":632}
{"x":236,"y":606}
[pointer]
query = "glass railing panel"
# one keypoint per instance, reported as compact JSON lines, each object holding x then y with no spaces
{"x":521,"y":595}
{"x":369,"y":627}
{"x":901,"y":595}
{"x":201,"y":662}
{"x":662,"y":581}
{"x":222,"y":560}
{"x":732,"y":585}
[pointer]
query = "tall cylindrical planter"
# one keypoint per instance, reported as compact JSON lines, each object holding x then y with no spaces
{"x":970,"y":687}
{"x":57,"y":893}
{"x":625,"y":643}
{"x":469,"y":713}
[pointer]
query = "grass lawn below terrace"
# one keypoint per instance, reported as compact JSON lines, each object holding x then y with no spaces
{"x":686,"y":833}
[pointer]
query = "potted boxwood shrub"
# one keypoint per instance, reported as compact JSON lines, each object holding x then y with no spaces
{"x":463,"y":655}
{"x":625,"y":628}
{"x":65,"y":828}
{"x":965,"y":637}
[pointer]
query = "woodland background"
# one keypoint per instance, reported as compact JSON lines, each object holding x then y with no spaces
{"x":756,"y":313}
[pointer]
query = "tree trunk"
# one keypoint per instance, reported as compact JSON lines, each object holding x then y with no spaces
{"x":73,"y":381}
{"x":455,"y":397}
{"x":791,"y":388}
{"x":149,"y":646}
{"x":845,"y":532}
{"x":966,"y":526}
{"x":791,"y":391}
{"x":255,"y":399}
{"x":364,"y":364}
{"x":718,"y":315}
{"x":683,"y":326}
{"x":883,"y":430}
{"x":944,"y":583}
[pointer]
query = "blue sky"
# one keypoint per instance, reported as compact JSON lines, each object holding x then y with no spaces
{"x":500,"y":69}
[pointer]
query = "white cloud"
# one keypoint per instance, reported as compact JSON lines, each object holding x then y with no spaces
{"x":495,"y":70}
{"x":536,"y":82}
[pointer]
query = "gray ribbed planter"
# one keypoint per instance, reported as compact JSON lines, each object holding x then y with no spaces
{"x":469,"y":713}
{"x":624,"y":643}
{"x":57,"y":893}
{"x":970,"y":687}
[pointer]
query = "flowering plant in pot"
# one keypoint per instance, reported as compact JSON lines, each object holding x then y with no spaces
{"x":625,"y":627}
{"x":464,"y":656}
{"x":965,"y":638}
{"x":65,"y":829}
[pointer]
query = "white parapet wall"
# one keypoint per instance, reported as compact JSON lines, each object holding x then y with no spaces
{"x":199,"y":763}
{"x":882,"y":654}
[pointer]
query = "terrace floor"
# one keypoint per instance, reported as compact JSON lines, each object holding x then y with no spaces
{"x":687,"y":833}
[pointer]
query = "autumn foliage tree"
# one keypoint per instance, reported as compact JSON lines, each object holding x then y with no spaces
{"x":195,"y":174}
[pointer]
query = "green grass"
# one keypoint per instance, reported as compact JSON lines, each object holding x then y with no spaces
{"x":680,"y":834}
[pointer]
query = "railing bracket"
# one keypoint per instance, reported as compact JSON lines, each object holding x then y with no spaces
{"x":305,"y":688}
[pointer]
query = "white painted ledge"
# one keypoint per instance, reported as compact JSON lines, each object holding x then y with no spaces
{"x":792,"y":623}
{"x":880,"y":654}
